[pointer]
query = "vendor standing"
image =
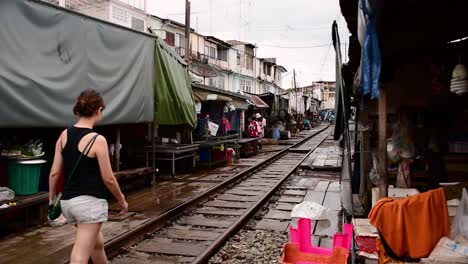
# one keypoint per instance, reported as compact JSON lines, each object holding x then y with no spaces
{"x":261,"y":124}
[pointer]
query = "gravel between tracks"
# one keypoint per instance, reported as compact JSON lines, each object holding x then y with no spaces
{"x":252,"y":246}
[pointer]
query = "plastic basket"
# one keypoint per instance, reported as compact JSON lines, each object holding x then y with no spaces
{"x":205,"y":154}
{"x":23,"y":176}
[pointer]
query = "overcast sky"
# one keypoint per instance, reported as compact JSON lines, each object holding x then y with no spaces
{"x":281,"y":29}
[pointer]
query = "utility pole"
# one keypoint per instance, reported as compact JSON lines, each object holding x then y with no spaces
{"x":187,"y":31}
{"x":295,"y":91}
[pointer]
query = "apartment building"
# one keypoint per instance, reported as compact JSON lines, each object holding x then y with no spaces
{"x":229,"y":65}
{"x":127,"y":13}
{"x":323,"y":91}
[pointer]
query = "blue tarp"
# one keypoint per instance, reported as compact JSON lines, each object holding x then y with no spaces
{"x":372,"y":60}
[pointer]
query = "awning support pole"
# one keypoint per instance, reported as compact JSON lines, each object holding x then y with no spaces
{"x":153,"y":153}
{"x":383,"y":183}
{"x":117,"y":149}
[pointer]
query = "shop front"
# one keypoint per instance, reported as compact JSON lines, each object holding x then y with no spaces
{"x":409,"y":164}
{"x":39,"y":90}
{"x":220,"y":123}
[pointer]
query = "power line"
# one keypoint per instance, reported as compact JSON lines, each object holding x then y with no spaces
{"x":326,"y":57}
{"x":295,"y":47}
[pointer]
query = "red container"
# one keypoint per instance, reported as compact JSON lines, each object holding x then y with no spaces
{"x":230,"y":153}
{"x":218,"y":155}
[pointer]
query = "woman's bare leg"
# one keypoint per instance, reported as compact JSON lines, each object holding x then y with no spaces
{"x":99,"y":255}
{"x":86,"y":237}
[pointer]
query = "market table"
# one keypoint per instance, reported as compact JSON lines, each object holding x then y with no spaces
{"x":248,"y":146}
{"x":213,"y":142}
{"x":173,"y":153}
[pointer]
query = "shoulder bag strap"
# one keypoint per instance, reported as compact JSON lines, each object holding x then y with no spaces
{"x":85,"y":152}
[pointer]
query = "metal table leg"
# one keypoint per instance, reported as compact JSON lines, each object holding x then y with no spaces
{"x":173,"y":165}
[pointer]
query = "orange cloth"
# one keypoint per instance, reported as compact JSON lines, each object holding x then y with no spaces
{"x":413,"y":226}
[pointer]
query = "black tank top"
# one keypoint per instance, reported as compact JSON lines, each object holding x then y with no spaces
{"x":87,"y":179}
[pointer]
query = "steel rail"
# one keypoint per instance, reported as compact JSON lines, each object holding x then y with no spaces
{"x":113,"y":247}
{"x":247,"y":216}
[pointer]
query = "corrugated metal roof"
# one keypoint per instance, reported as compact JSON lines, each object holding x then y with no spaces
{"x":257,"y":101}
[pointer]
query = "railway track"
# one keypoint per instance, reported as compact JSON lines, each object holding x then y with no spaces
{"x":193,"y":231}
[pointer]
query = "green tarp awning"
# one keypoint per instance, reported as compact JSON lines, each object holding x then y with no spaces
{"x":174,"y":103}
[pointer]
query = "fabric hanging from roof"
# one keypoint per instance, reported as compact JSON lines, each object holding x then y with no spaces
{"x":174,"y":104}
{"x":48,"y":56}
{"x":257,"y":101}
{"x":371,"y":56}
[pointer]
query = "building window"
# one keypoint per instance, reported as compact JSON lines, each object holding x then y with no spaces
{"x":212,"y":52}
{"x":138,"y":24}
{"x":221,"y":82}
{"x":119,"y":14}
{"x":181,"y":40}
{"x":238,"y":58}
{"x":246,"y":86}
{"x":140,"y":4}
{"x":222,"y":54}
{"x":249,"y":62}
{"x":170,"y":38}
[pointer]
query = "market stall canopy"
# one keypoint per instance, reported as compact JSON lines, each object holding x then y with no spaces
{"x":204,"y":97}
{"x":174,"y":103}
{"x":240,"y":104}
{"x":257,"y":101}
{"x":203,"y":93}
{"x":49,"y":55}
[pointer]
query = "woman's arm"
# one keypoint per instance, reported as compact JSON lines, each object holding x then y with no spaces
{"x":57,"y":168}
{"x":102,"y":154}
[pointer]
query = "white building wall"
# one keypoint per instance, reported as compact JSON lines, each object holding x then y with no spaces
{"x":99,"y":11}
{"x":122,"y":14}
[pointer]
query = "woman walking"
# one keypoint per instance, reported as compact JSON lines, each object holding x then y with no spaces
{"x":87,"y":179}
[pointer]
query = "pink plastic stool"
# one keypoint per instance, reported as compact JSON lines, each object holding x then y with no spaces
{"x":302,"y":236}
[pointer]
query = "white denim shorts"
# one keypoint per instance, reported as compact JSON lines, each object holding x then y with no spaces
{"x":85,"y":210}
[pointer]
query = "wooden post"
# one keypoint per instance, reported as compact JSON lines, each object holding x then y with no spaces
{"x":153,"y":153}
{"x":383,"y":184}
{"x":117,"y":149}
{"x":187,"y":31}
{"x":366,"y":161}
